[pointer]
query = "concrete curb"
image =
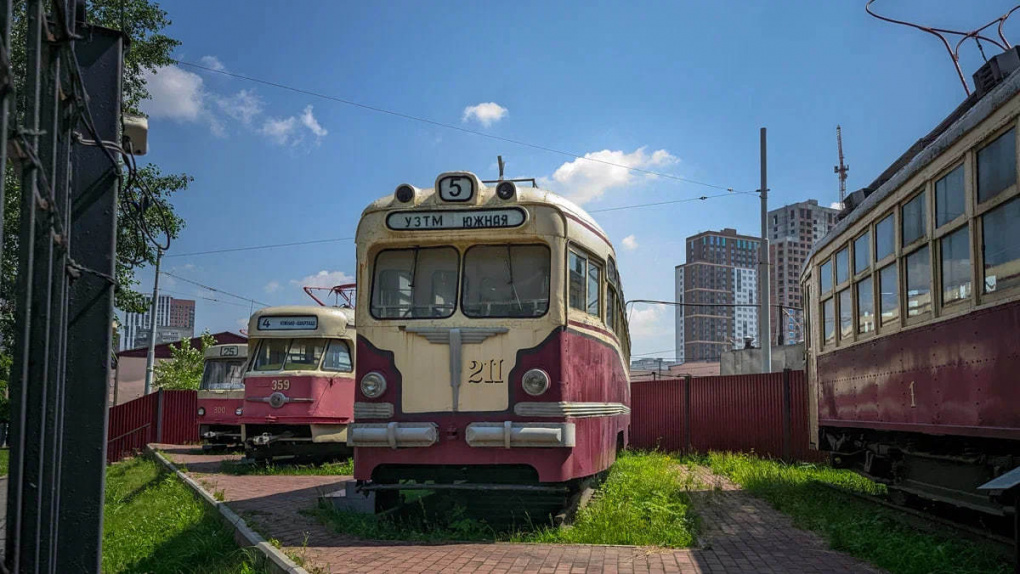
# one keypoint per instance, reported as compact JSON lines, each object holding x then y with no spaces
{"x":243,"y":534}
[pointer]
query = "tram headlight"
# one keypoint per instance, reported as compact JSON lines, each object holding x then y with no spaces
{"x":506,"y":190}
{"x":535,"y":382}
{"x":404,"y":193}
{"x":238,"y":411}
{"x":373,"y":385}
{"x":201,"y":411}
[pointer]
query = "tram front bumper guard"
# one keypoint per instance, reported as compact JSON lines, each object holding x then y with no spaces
{"x":392,"y":435}
{"x":515,"y":435}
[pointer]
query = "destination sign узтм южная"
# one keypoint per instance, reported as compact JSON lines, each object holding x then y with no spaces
{"x":292,"y":323}
{"x":456,"y":219}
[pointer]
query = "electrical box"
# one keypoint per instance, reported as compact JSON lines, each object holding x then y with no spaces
{"x":136,"y":134}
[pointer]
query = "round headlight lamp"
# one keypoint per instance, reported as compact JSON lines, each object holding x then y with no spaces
{"x":535,"y":382}
{"x":201,"y":411}
{"x":506,"y":190}
{"x":404,"y":193}
{"x":373,"y":385}
{"x":238,"y":411}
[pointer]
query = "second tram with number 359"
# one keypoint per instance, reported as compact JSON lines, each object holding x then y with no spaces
{"x":493,"y":348}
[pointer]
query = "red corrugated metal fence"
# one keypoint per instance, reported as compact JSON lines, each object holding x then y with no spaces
{"x":163,"y":416}
{"x":764,"y":413}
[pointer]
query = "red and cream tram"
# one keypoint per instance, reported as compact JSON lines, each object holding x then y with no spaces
{"x":913,"y":303}
{"x":221,"y":394}
{"x":492,"y":343}
{"x":299,"y":388}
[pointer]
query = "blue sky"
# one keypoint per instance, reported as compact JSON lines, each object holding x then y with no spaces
{"x":678,"y":87}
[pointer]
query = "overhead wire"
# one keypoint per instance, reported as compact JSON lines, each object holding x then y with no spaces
{"x":196,"y":283}
{"x":259,"y":247}
{"x":448,"y":126}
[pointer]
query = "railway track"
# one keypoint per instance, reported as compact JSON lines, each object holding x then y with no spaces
{"x":932,"y":522}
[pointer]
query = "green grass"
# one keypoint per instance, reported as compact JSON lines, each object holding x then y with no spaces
{"x":643,"y":501}
{"x":153,"y":523}
{"x":5,"y":457}
{"x":342,"y":468}
{"x":851,"y":525}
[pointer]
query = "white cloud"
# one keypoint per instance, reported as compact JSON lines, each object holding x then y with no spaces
{"x":243,"y":106}
{"x":280,"y":131}
{"x":272,"y":287}
{"x":630,"y":243}
{"x":176,"y":94}
{"x":836,"y":205}
{"x":647,"y":322}
{"x":486,"y":113}
{"x":213,"y":62}
{"x":586,"y":179}
{"x":309,"y":121}
{"x":324,"y":279}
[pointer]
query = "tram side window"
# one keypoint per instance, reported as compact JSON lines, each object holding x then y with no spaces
{"x":996,"y":166}
{"x":842,"y":265}
{"x":829,"y":320}
{"x":506,"y":281}
{"x":956,"y":268}
{"x":578,"y":265}
{"x":271,"y":355}
{"x":846,"y":321}
{"x":865,"y":306}
{"x":825,"y":277}
{"x":338,"y":357}
{"x":594,"y":288}
{"x":918,"y":282}
{"x":949,"y":197}
{"x":415,"y":283}
{"x":304,"y":355}
{"x":1001,"y":247}
{"x":885,"y":237}
{"x":611,"y":308}
{"x":914,"y":220}
{"x":889,"y":290}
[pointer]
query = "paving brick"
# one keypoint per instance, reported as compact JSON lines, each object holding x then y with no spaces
{"x":740,"y":533}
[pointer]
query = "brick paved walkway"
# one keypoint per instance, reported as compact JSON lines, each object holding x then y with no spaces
{"x":739,"y":534}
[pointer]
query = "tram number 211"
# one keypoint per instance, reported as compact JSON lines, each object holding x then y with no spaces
{"x":490,"y":371}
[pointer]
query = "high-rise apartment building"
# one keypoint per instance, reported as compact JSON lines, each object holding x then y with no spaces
{"x":793,"y":230}
{"x":175,"y":320}
{"x":720,"y":270}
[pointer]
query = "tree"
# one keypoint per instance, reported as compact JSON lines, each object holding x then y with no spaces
{"x":183,"y":371}
{"x":143,"y":21}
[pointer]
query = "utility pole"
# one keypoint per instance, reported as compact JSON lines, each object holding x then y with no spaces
{"x":150,"y":357}
{"x":764,"y":298}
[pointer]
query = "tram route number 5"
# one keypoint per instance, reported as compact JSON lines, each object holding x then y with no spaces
{"x":490,"y":371}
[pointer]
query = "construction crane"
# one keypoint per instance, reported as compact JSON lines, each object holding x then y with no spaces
{"x":842,"y":168}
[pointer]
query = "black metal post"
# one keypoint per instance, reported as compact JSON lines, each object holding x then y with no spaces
{"x":90,"y":318}
{"x":687,"y":414}
{"x":787,"y":430}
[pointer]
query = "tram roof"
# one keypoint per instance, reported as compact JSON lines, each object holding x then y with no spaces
{"x":967,"y":116}
{"x":280,"y":322}
{"x":526,"y":195}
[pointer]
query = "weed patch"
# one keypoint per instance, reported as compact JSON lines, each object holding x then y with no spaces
{"x":853,"y":526}
{"x":5,"y":459}
{"x":341,"y":468}
{"x":152,"y":522}
{"x":643,"y":501}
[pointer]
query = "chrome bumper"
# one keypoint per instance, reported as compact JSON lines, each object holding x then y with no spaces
{"x":505,"y":434}
{"x":392,"y":435}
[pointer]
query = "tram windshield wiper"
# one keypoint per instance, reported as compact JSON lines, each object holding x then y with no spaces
{"x":414,"y":272}
{"x":510,"y":272}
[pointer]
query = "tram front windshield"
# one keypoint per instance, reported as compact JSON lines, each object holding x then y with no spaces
{"x":303,"y":354}
{"x":498,"y":281}
{"x":223,"y":375}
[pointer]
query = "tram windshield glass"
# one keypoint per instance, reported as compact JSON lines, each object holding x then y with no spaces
{"x":302,"y":354}
{"x":506,"y":281}
{"x":415,"y":283}
{"x":223,"y":375}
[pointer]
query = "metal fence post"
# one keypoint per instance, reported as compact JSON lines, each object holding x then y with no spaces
{"x":90,"y":315}
{"x":787,"y":431}
{"x":687,"y":414}
{"x":159,"y":416}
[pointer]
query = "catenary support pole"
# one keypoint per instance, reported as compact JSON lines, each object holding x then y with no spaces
{"x":764,"y":298}
{"x":150,"y":357}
